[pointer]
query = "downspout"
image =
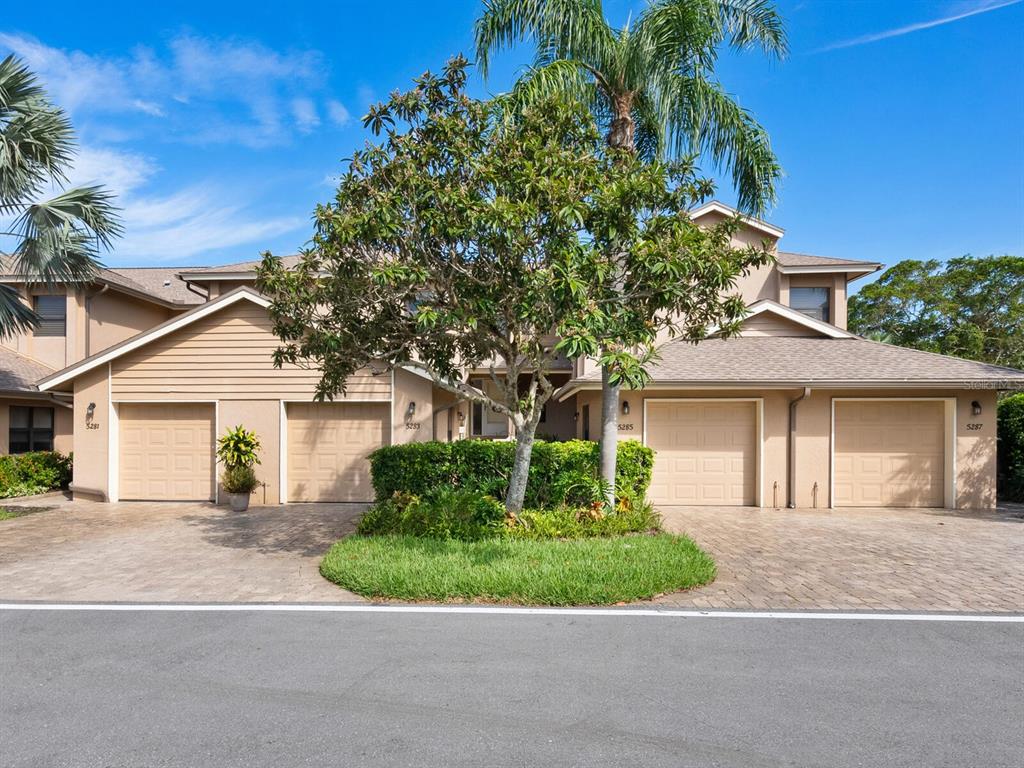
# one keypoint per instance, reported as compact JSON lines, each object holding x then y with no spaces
{"x":88,"y":318}
{"x":791,"y":484}
{"x":192,"y":289}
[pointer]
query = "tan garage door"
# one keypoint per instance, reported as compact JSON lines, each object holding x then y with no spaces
{"x":166,"y":451}
{"x":705,"y":452}
{"x":328,"y":445}
{"x":889,"y":453}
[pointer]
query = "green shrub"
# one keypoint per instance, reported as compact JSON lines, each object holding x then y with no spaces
{"x":1011,"y":447}
{"x":444,"y":514}
{"x":26,"y":474}
{"x":239,"y":479}
{"x":567,"y":522}
{"x":560,"y":473}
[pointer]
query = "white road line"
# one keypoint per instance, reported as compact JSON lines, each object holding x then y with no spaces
{"x":510,"y":611}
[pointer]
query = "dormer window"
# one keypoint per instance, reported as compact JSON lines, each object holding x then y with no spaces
{"x":52,"y":311}
{"x":813,"y":302}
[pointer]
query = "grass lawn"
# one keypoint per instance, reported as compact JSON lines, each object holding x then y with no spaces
{"x":9,"y":513}
{"x":590,"y":571}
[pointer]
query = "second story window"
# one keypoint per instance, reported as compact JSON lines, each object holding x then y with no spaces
{"x":52,"y":311}
{"x":813,"y":302}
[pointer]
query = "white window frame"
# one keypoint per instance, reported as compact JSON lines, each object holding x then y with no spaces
{"x":949,"y":467}
{"x":759,"y":428}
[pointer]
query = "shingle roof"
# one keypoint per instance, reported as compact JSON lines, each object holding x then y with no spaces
{"x":772,"y":360}
{"x":240,"y":266}
{"x":162,"y":282}
{"x":790,"y":259}
{"x":19,"y":373}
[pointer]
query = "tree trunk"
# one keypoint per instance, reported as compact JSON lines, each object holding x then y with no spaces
{"x":620,"y":136}
{"x":609,"y":432}
{"x":516,"y":495}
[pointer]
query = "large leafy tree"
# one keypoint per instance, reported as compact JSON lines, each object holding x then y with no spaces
{"x":55,"y":239}
{"x":968,"y":307}
{"x":462,"y":243}
{"x":651,"y":85}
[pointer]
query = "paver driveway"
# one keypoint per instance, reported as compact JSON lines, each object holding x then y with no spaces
{"x":172,"y":551}
{"x":860,"y":559}
{"x":782,"y":559}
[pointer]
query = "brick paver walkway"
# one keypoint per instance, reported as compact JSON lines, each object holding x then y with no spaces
{"x":779,"y":559}
{"x":863,"y":559}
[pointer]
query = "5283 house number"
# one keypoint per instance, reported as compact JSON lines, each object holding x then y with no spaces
{"x":412,"y":425}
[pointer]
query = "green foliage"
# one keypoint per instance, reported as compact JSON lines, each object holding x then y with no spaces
{"x":592,"y":571}
{"x":560,"y":473}
{"x":652,"y":84}
{"x":238,"y":447}
{"x":444,"y":514}
{"x":968,"y":307}
{"x":26,"y":474}
{"x":566,"y":522}
{"x":239,"y":478}
{"x":1011,"y":447}
{"x":56,"y":240}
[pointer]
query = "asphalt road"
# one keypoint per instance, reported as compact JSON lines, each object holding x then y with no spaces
{"x":134,"y":690}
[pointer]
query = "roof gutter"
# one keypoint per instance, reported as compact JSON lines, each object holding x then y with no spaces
{"x":791,"y":482}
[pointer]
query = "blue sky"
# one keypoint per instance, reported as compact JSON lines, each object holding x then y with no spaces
{"x":220,"y":125}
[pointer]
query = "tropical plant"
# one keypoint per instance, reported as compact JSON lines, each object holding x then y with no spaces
{"x":652,"y":87}
{"x":56,"y":240}
{"x":239,"y":478}
{"x":238,"y":447}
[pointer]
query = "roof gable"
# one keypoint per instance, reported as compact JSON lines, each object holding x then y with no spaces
{"x":720,"y":209}
{"x":770,"y":315}
{"x":135,"y":342}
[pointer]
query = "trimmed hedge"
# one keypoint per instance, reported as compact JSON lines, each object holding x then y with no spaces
{"x":560,"y":473}
{"x":26,"y":474}
{"x":1011,"y":447}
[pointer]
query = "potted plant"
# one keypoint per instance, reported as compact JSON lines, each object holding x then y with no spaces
{"x":238,"y":451}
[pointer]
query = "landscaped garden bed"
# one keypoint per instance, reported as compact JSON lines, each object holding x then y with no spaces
{"x":30,"y":474}
{"x":439,"y":533}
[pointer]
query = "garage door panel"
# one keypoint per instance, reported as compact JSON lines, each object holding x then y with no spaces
{"x":166,"y":451}
{"x":704,"y":453}
{"x":328,"y":449}
{"x":889,"y":454}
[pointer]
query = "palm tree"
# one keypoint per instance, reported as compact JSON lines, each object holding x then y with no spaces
{"x":651,"y":85}
{"x":56,"y":240}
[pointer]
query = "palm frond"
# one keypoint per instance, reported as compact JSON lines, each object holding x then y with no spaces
{"x":562,"y":28}
{"x":751,"y":23}
{"x":15,"y":316}
{"x":715,"y":124}
{"x":538,"y":84}
{"x":60,"y":238}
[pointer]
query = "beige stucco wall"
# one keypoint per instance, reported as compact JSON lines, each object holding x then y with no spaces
{"x":836,"y":283}
{"x":91,"y":437}
{"x":975,"y":448}
{"x":114,"y":317}
{"x":411,"y":388}
{"x":62,"y":422}
{"x":264,"y":418}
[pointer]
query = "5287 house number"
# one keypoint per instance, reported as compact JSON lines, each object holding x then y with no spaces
{"x":974,"y":427}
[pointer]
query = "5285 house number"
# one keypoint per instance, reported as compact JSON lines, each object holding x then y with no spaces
{"x":625,"y":427}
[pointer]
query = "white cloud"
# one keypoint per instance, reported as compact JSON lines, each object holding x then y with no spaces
{"x":304,"y":112}
{"x":208,"y":90}
{"x":337,"y":112}
{"x":121,"y":172}
{"x":962,"y":11}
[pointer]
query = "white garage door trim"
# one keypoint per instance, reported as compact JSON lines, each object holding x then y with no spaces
{"x":282,"y":430}
{"x":114,"y":440}
{"x":949,"y":465}
{"x":758,"y":442}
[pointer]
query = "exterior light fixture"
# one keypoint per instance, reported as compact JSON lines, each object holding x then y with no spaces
{"x":576,"y":416}
{"x":976,"y":408}
{"x":411,"y":410}
{"x":462,"y":418}
{"x":625,"y":407}
{"x":90,"y":411}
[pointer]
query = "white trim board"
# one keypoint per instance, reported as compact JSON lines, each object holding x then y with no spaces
{"x":759,"y":426}
{"x":243,"y":293}
{"x":949,"y":425}
{"x":716,"y":207}
{"x":787,"y":313}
